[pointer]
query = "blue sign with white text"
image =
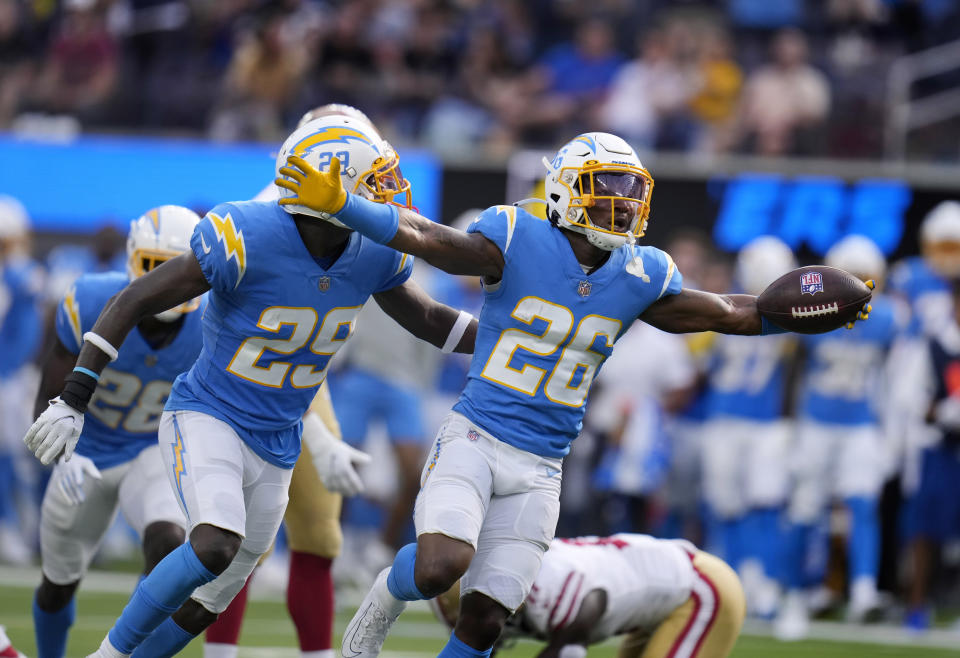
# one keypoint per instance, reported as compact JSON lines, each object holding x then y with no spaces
{"x":80,"y":185}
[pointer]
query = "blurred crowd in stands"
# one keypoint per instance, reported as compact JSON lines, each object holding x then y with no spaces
{"x":792,"y":77}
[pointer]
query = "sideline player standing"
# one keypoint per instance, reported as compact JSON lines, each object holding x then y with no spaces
{"x":664,"y":596}
{"x":285,"y":285}
{"x":839,"y":451}
{"x":117,"y":462}
{"x":558,"y":294}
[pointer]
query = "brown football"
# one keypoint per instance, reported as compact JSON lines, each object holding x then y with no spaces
{"x":813,"y":299}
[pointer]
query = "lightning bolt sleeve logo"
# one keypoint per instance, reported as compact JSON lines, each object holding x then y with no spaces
{"x":232,"y":239}
{"x":72,"y":308}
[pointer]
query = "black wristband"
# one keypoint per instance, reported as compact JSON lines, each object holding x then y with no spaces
{"x":78,"y":388}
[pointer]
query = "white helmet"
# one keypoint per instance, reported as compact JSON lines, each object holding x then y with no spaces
{"x":368,"y":164}
{"x":332,"y":109}
{"x":14,"y":221}
{"x":858,"y":255}
{"x":940,"y":238}
{"x":155,"y":237}
{"x":761,"y":262}
{"x":601,"y":167}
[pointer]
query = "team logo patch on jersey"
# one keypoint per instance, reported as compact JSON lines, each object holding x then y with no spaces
{"x":473,"y":435}
{"x":584,"y":288}
{"x":324,"y":284}
{"x":232,"y":239}
{"x":811,"y":282}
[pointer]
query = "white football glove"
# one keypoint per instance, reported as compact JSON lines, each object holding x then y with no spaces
{"x":334,"y":460}
{"x":70,"y":475}
{"x":946,"y":413}
{"x":56,"y":431}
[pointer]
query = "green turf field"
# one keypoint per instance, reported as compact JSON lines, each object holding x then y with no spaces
{"x":268,"y":632}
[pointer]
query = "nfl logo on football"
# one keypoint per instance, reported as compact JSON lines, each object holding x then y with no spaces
{"x":811,"y":282}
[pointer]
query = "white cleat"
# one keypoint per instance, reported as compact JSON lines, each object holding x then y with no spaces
{"x":106,"y":650}
{"x":793,"y":622}
{"x":369,"y":627}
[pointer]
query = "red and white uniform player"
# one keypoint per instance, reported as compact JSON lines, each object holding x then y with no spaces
{"x":667,"y":598}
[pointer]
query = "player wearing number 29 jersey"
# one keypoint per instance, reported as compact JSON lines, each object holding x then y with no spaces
{"x":275,"y":319}
{"x":544,"y":334}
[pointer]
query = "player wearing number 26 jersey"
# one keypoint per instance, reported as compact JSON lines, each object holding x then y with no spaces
{"x":558,"y":295}
{"x":117,"y":461}
{"x":543,"y":335}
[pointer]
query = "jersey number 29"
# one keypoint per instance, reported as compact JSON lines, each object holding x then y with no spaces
{"x":335,"y":329}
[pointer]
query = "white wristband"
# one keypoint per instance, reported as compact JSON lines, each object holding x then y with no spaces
{"x":456,"y":333}
{"x":99,"y":341}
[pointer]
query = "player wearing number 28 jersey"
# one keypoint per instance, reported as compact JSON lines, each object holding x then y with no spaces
{"x":558,"y":295}
{"x":285,"y":285}
{"x":117,"y":461}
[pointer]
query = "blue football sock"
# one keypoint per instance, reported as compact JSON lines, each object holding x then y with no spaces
{"x":158,"y":596}
{"x":166,"y":640}
{"x":764,"y":537}
{"x":400,"y":581}
{"x":864,"y":541}
{"x":457,"y":649}
{"x":796,"y":542}
{"x":51,"y":629}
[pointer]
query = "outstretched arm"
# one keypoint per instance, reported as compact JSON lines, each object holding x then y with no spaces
{"x":174,"y":282}
{"x":695,"y":310}
{"x":402,"y":229}
{"x":58,"y":428}
{"x":427,"y":319}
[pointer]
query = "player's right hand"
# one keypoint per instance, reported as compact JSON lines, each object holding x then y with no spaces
{"x":69,"y":476}
{"x":56,"y":431}
{"x":317,"y":190}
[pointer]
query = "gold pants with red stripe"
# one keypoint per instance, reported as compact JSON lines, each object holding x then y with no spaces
{"x":313,"y":513}
{"x":705,"y":626}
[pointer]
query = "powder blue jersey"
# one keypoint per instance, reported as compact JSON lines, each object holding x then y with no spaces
{"x":844,"y":370}
{"x":274,"y":319}
{"x":747,"y":377}
{"x":547,"y":327}
{"x":927,"y":293}
{"x":124,"y":413}
{"x":21,"y":284}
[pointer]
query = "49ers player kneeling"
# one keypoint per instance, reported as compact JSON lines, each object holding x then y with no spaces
{"x":664,"y":595}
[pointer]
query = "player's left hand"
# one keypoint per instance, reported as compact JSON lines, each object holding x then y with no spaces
{"x":56,"y":431}
{"x":337,"y":468}
{"x":864,"y":313}
{"x":317,"y":190}
{"x":70,"y":475}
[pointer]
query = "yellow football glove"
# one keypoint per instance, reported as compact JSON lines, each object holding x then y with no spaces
{"x":864,"y":313}
{"x":320,"y":191}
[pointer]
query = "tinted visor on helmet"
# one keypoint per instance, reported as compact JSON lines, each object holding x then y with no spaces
{"x":616,"y":200}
